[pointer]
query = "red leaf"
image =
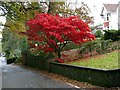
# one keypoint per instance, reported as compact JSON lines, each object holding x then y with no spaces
{"x":49,"y":30}
{"x":60,"y":60}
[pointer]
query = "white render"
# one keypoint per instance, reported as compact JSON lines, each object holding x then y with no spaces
{"x":113,"y":21}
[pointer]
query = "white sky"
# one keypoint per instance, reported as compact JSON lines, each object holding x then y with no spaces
{"x":96,"y":7}
{"x":2,"y":19}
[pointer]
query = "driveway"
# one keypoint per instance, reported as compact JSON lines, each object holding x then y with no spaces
{"x":19,"y":77}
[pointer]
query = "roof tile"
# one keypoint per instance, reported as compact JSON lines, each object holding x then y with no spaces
{"x":111,"y":7}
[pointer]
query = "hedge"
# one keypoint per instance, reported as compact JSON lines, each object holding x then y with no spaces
{"x":41,"y":62}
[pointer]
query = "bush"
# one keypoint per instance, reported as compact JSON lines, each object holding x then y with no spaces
{"x":114,"y":35}
{"x":88,"y":47}
{"x":71,"y":45}
{"x":97,"y":47}
{"x":98,"y":33}
{"x":18,"y":60}
{"x":38,"y":59}
{"x":12,"y":60}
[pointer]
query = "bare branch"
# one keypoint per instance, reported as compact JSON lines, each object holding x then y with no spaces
{"x":45,"y":3}
{"x":4,"y":25}
{"x":3,"y":14}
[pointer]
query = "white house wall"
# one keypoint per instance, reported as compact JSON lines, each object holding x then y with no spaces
{"x":113,"y":22}
{"x":113,"y":19}
{"x":104,"y":18}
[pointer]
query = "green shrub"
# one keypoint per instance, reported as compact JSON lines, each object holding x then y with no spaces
{"x":71,"y":45}
{"x":88,"y":47}
{"x":97,"y":47}
{"x":11,"y":60}
{"x":18,"y":60}
{"x":114,"y":35}
{"x":38,"y":59}
{"x":98,"y":33}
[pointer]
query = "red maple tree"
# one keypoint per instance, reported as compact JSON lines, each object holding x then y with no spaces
{"x":52,"y":33}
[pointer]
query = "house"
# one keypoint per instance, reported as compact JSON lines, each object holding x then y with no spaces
{"x":111,"y":16}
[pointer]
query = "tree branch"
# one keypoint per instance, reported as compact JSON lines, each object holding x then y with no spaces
{"x":4,"y":25}
{"x":3,"y":14}
{"x":45,"y":3}
{"x":61,"y":48}
{"x":3,"y":11}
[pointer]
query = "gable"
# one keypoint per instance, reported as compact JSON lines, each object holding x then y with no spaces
{"x":111,"y":7}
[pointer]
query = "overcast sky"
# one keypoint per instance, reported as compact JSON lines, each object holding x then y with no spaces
{"x":96,"y":7}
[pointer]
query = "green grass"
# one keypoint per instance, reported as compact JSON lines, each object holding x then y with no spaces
{"x":105,"y":61}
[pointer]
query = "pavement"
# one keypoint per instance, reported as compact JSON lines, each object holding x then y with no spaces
{"x":14,"y":76}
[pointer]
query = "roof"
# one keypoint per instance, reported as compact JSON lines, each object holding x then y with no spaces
{"x":111,"y":7}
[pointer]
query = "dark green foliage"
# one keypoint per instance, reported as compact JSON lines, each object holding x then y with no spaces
{"x":12,"y":60}
{"x":104,"y":78}
{"x":17,"y":13}
{"x":23,"y":45}
{"x":18,"y":60}
{"x":114,"y":35}
{"x":97,"y":47}
{"x":71,"y":45}
{"x":9,"y":42}
{"x":98,"y":33}
{"x":87,"y":47}
{"x":38,"y":60}
{"x":12,"y":45}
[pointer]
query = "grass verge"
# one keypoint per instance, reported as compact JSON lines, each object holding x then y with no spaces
{"x":105,"y":61}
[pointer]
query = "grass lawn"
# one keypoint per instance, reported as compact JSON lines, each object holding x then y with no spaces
{"x":105,"y":61}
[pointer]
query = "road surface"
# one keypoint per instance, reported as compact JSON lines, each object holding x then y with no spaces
{"x":19,"y":77}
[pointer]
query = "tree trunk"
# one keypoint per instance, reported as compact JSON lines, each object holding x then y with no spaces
{"x":59,"y":54}
{"x":49,"y":7}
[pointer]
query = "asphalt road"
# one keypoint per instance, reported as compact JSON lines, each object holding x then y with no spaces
{"x":19,"y":77}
